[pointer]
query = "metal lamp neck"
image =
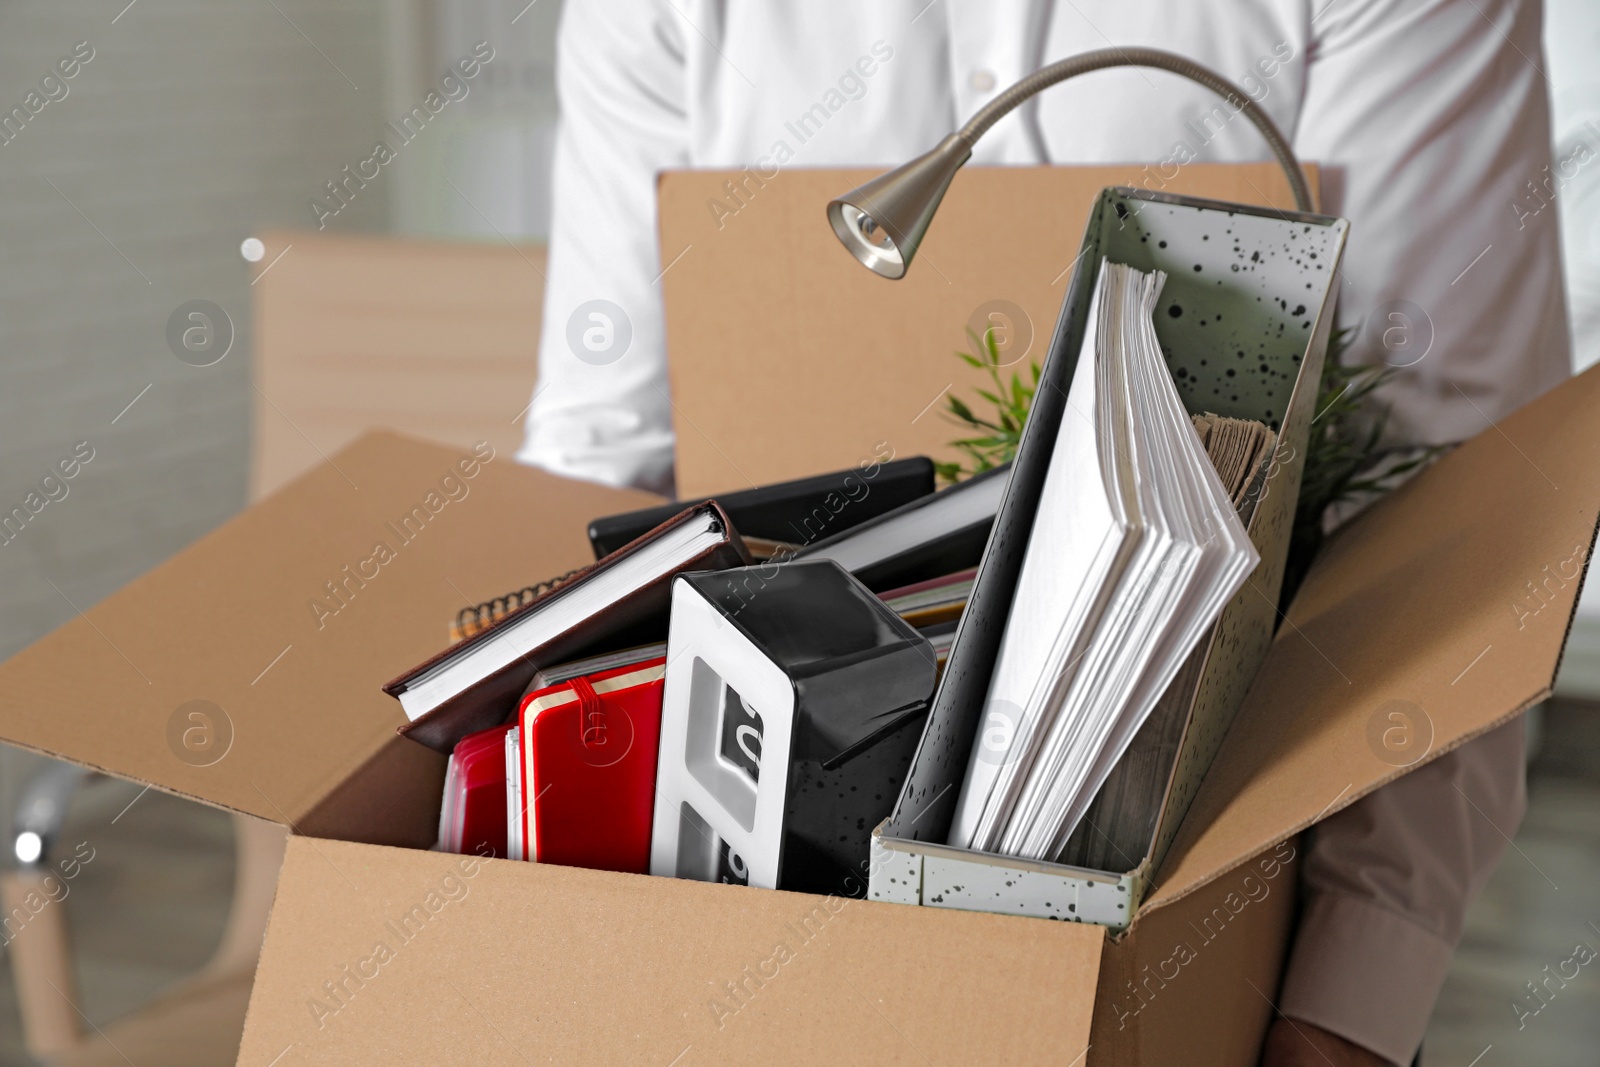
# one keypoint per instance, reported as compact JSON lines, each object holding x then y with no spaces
{"x":1073,"y":66}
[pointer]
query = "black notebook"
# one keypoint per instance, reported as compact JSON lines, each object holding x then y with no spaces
{"x":939,"y":534}
{"x":793,"y":513}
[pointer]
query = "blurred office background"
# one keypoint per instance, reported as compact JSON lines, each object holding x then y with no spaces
{"x":199,"y":124}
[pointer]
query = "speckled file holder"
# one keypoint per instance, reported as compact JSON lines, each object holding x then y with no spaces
{"x":794,"y":700}
{"x":1244,"y":321}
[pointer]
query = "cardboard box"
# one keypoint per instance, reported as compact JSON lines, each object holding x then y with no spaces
{"x":551,"y":956}
{"x":1452,"y":596}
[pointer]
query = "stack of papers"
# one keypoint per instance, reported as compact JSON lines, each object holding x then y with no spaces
{"x":1135,"y":550}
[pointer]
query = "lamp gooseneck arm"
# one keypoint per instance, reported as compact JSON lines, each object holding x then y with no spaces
{"x":1071,"y":67}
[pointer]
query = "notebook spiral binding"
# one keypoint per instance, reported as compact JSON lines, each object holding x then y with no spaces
{"x":480,"y":617}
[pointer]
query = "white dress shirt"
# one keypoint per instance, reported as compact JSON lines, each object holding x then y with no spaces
{"x":1429,"y":118}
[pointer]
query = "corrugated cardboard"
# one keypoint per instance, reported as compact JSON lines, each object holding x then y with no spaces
{"x":1452,"y":597}
{"x":787,"y":357}
{"x":231,"y":621}
{"x":537,"y":963}
{"x":1193,"y":981}
{"x":1425,"y":599}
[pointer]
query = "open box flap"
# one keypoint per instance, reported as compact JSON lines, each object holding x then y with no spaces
{"x":851,"y":364}
{"x":295,"y":728}
{"x":1438,"y":614}
{"x":380,"y":955}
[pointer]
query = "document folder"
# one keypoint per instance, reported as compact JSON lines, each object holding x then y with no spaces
{"x":1244,"y":325}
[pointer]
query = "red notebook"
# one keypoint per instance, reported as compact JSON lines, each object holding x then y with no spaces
{"x":589,"y":750}
{"x":472,"y":820}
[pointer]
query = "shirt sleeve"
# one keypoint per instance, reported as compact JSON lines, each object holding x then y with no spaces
{"x":1430,"y":119}
{"x":1387,"y":882}
{"x":600,"y":410}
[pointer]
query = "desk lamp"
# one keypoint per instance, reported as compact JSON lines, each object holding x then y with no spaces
{"x":883,"y":221}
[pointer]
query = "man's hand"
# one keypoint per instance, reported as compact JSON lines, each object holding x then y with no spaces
{"x":1292,"y":1043}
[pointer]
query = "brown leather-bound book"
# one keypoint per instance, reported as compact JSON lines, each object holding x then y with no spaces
{"x":620,"y":600}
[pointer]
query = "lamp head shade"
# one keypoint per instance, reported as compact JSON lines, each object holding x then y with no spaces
{"x":882,"y":222}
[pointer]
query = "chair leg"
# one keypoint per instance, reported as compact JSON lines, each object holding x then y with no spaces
{"x":258,"y":846}
{"x":36,"y":935}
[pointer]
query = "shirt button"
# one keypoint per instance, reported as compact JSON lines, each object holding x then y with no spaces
{"x":982,"y":80}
